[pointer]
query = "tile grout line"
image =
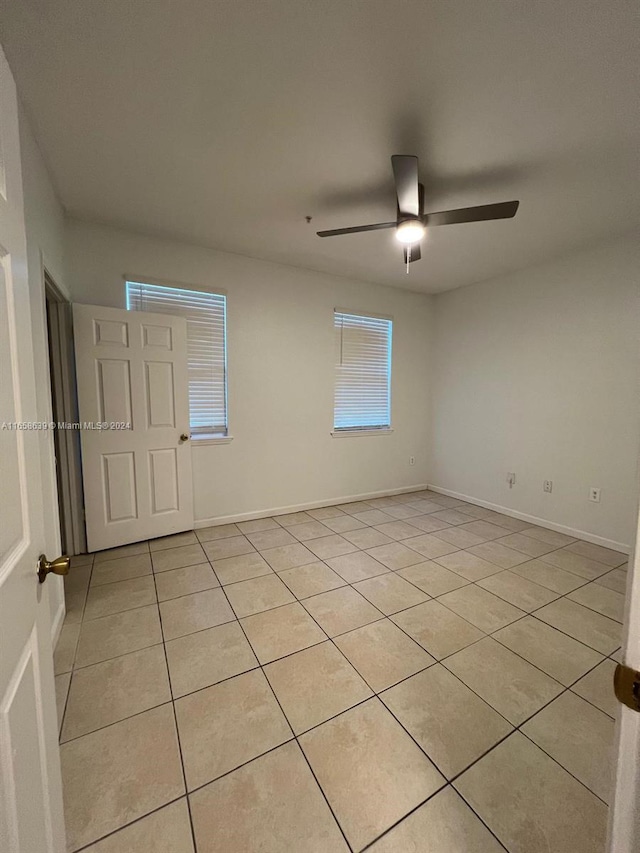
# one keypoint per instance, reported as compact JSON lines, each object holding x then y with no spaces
{"x":126,"y":825}
{"x":515,"y":728}
{"x":423,"y":803}
{"x":75,"y":652}
{"x":392,"y":571}
{"x":295,"y":737}
{"x":376,"y":694}
{"x":389,"y":569}
{"x":175,"y":720}
{"x":518,"y":727}
{"x":436,"y":661}
{"x":383,"y":616}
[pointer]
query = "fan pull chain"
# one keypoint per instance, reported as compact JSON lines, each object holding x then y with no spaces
{"x":408,"y":257}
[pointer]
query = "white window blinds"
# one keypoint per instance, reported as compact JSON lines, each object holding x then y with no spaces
{"x":363,"y":372}
{"x":206,"y":347}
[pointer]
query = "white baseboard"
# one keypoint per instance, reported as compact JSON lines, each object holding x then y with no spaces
{"x":56,"y":624}
{"x":281,"y":510}
{"x":541,"y":522}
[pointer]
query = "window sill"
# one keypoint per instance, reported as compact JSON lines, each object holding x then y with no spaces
{"x":203,"y":440}
{"x":347,"y":433}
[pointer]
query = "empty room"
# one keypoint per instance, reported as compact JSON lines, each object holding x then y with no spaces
{"x":319,"y":377}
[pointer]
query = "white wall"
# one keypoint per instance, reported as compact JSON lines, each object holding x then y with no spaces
{"x":280,"y":359}
{"x":45,"y":224}
{"x":537,"y":373}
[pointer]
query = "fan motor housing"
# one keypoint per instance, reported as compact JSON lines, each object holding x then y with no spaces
{"x":410,"y":230}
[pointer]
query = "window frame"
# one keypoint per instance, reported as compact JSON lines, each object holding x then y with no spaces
{"x":200,"y":438}
{"x":386,"y":429}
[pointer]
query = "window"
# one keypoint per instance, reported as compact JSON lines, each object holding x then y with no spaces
{"x":206,"y":348}
{"x":363,"y":372}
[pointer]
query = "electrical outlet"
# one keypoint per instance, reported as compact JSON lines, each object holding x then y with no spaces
{"x":547,"y":486}
{"x":511,"y":479}
{"x":594,"y":495}
{"x":412,"y":460}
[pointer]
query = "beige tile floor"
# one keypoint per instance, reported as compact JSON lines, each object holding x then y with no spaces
{"x":411,"y":673}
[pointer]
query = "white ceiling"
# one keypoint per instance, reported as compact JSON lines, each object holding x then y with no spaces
{"x":225,"y":122}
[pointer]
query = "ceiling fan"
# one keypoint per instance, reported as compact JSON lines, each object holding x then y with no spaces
{"x":412,"y":222}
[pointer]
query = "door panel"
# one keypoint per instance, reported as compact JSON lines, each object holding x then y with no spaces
{"x":156,"y":336}
{"x":114,"y":390}
{"x":10,"y":509}
{"x":132,"y":368}
{"x":111,"y":332}
{"x":159,"y":397}
{"x":119,"y":485}
{"x":31,"y":816}
{"x":164,"y":480}
{"x":20,"y":713}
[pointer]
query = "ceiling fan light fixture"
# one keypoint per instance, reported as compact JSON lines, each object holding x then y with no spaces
{"x":412,"y":223}
{"x":410,"y":231}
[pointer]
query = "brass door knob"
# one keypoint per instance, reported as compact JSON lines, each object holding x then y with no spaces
{"x":184,"y":437}
{"x":626,"y":686}
{"x":60,"y":566}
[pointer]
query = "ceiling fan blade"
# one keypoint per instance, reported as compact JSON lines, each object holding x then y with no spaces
{"x":415,"y":253}
{"x":356,"y":229}
{"x":481,"y":213}
{"x":405,"y":172}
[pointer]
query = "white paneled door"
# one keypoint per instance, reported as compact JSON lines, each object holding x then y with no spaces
{"x":31,"y":817}
{"x":133,"y":399}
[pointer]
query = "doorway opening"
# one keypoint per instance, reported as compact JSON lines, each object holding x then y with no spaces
{"x":64,"y":407}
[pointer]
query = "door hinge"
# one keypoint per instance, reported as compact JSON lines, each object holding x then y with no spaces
{"x":626,"y":684}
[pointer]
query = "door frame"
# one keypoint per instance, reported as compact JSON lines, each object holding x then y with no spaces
{"x":39,"y":262}
{"x":64,"y":403}
{"x":624,"y":810}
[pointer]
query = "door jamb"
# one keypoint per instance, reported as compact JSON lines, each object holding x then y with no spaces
{"x":63,"y":380}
